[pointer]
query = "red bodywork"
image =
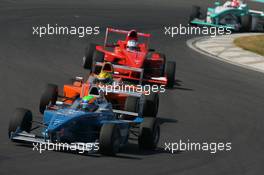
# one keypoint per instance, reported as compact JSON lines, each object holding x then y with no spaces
{"x":151,"y":63}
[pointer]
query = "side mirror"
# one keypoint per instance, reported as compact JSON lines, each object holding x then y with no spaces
{"x":151,"y":50}
{"x":77,"y":81}
{"x":79,"y":78}
{"x":59,"y":103}
{"x":103,"y":110}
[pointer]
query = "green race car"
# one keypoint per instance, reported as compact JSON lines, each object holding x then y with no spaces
{"x":234,"y":15}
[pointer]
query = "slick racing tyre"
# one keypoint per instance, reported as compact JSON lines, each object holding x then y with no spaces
{"x":131,"y":105}
{"x":170,"y":71}
{"x":50,"y":95}
{"x":149,"y":133}
{"x":195,"y":13}
{"x":97,"y":57}
{"x":246,"y":23}
{"x":162,"y":55}
{"x":255,"y":24}
{"x":22,"y":118}
{"x":109,"y":140}
{"x":88,"y":56}
{"x":151,"y":105}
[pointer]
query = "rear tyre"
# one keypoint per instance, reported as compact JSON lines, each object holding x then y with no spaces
{"x":149,"y":133}
{"x":97,"y":57}
{"x":170,"y":71}
{"x":162,"y":55}
{"x":255,"y":23}
{"x":246,"y":23}
{"x":50,"y":95}
{"x":151,"y":105}
{"x":195,"y":13}
{"x":22,"y":118}
{"x":109,"y":140}
{"x":88,"y":56}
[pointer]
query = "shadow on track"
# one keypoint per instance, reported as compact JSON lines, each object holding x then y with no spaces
{"x":167,"y":120}
{"x":178,"y":85}
{"x":133,"y":149}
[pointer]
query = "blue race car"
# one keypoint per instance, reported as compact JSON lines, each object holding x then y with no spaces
{"x":88,"y":120}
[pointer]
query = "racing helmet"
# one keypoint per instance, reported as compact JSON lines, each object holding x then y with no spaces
{"x":132,"y":45}
{"x":132,"y":35}
{"x":235,"y":3}
{"x":132,"y":40}
{"x":105,"y":77}
{"x":86,"y":100}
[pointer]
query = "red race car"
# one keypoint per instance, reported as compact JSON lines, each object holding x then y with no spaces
{"x":131,"y":58}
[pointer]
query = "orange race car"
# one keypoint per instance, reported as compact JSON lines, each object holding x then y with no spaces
{"x":126,"y":97}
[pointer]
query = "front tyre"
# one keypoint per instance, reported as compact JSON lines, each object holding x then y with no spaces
{"x":22,"y":119}
{"x":151,"y":105}
{"x":88,"y":56}
{"x":131,"y":105}
{"x":195,"y":13}
{"x":246,"y":23}
{"x":97,"y":57}
{"x":109,"y":140}
{"x":50,"y":95}
{"x":149,"y":133}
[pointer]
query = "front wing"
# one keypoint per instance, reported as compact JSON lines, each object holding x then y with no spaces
{"x":42,"y":143}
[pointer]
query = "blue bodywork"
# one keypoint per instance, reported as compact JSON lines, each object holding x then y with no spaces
{"x":73,"y":124}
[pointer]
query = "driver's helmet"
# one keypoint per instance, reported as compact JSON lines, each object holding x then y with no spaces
{"x":235,"y":3}
{"x":87,"y":100}
{"x":105,"y":77}
{"x":132,"y":40}
{"x":132,"y":45}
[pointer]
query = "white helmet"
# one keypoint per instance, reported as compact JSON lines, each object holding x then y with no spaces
{"x":132,"y":45}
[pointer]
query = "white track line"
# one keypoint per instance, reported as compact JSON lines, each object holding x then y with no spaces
{"x":226,"y":51}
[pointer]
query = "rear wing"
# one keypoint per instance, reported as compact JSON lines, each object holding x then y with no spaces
{"x":108,"y":30}
{"x":256,"y":12}
{"x":260,"y":1}
{"x":147,"y":35}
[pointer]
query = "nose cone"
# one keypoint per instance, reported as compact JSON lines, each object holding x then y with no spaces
{"x":136,"y":59}
{"x":57,"y":119}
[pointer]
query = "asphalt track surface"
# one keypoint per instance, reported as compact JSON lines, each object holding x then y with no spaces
{"x":212,"y":101}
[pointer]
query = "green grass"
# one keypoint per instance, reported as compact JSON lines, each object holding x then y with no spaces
{"x":251,"y":43}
